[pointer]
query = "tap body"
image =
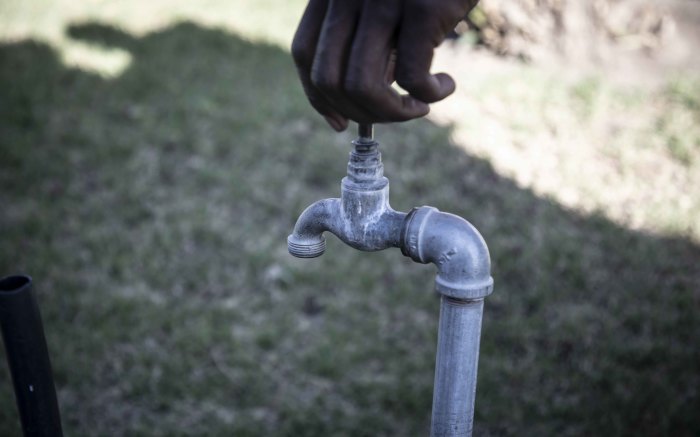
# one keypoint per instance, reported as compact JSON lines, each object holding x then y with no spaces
{"x":363,"y":219}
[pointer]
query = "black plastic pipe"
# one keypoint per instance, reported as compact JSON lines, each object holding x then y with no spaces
{"x":28,"y":358}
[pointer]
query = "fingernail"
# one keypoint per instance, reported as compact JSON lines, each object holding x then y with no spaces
{"x":447,"y":84}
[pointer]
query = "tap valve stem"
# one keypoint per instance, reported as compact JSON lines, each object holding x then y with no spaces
{"x":365,"y":132}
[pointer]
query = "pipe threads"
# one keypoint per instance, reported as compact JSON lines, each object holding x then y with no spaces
{"x":304,"y":249}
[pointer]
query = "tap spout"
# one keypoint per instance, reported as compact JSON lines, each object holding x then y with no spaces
{"x":361,"y":219}
{"x":307,"y":240}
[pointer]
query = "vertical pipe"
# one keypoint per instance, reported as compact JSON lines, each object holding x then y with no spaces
{"x":28,"y":358}
{"x":455,"y":367}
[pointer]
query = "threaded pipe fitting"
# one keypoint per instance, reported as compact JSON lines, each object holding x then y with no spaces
{"x":306,"y":248}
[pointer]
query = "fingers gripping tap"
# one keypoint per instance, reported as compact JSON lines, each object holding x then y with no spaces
{"x":349,"y":52}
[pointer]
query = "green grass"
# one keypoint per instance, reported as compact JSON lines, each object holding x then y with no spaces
{"x":152,"y":208}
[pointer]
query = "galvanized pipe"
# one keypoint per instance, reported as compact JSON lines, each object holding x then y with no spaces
{"x":363,"y":219}
{"x":456,"y":363}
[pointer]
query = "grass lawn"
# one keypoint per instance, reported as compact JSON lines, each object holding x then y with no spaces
{"x":151,"y":169}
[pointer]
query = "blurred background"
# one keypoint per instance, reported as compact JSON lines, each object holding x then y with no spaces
{"x":155,"y":155}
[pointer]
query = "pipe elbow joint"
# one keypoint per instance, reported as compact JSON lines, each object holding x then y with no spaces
{"x":454,"y":246}
{"x":307,"y":240}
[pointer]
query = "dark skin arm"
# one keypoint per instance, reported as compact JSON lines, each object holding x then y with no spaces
{"x":348,"y":52}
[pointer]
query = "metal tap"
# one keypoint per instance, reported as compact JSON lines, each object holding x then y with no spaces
{"x":363,"y":219}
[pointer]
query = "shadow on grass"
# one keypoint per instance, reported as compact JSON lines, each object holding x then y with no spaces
{"x":152,"y":210}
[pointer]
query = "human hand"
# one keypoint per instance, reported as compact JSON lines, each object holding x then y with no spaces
{"x":348,"y":52}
